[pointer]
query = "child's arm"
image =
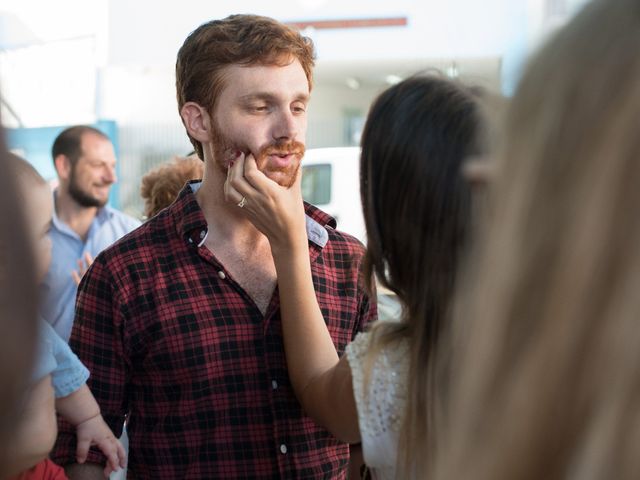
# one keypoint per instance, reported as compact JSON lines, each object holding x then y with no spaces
{"x":81,"y":410}
{"x":37,"y":429}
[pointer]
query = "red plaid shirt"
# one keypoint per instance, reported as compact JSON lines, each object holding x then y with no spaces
{"x":177,"y":346}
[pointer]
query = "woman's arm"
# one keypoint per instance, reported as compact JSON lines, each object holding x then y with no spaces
{"x":321,"y":381}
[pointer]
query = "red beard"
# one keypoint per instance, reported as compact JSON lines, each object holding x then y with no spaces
{"x":224,"y":151}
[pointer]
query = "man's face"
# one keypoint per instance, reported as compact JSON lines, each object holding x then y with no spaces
{"x":93,"y":174}
{"x":262,"y":110}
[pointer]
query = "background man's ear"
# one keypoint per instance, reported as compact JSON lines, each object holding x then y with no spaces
{"x":63,"y":166}
{"x":197,"y":121}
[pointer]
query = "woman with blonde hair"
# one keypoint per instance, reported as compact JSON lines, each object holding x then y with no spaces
{"x":546,"y":363}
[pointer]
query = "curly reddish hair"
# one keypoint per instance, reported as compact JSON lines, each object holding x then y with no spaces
{"x":235,"y":40}
{"x":160,"y":186}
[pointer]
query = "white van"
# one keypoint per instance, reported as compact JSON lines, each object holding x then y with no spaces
{"x":331,"y":181}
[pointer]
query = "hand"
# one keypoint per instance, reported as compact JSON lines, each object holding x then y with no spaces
{"x":95,"y":431}
{"x":83,"y":265}
{"x":276,"y":211}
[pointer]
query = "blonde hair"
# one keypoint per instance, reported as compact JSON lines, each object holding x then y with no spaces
{"x":545,"y":373}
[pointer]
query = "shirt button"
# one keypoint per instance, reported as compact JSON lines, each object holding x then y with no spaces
{"x":202,"y":234}
{"x":222,"y":275}
{"x":274,"y":384}
{"x":190,"y":240}
{"x":283,"y":449}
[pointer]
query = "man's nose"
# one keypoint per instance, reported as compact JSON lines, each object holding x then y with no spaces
{"x":287,"y":126}
{"x":109,"y":174}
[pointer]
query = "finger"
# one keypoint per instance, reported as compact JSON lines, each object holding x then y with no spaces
{"x":76,"y":277}
{"x":88,"y":259}
{"x":231,"y":194}
{"x":257,"y":179}
{"x":82,"y":450}
{"x":226,"y":182}
{"x":112,"y":456}
{"x":238,"y":181}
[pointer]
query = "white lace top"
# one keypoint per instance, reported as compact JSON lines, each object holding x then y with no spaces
{"x":380,"y":403}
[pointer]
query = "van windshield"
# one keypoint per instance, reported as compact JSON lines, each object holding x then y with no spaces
{"x":316,"y":184}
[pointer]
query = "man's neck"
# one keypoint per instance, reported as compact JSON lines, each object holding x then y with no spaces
{"x":227,"y":225}
{"x":77,"y":217}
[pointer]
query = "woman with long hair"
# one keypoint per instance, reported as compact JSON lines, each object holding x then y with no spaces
{"x":417,"y":212}
{"x":547,"y":332}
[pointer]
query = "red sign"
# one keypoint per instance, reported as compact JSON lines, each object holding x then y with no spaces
{"x":350,"y":23}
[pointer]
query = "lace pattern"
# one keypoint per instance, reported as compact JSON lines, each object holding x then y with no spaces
{"x":380,"y":403}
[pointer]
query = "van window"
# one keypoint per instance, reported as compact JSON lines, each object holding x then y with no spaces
{"x":316,"y":183}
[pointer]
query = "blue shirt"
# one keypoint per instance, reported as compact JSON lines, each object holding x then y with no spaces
{"x":58,"y":288}
{"x":55,"y":357}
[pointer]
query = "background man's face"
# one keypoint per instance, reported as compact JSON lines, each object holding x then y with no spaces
{"x":94,"y":172}
{"x":263,"y":111}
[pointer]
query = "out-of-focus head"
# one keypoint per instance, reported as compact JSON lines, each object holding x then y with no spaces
{"x":548,"y":383}
{"x":86,"y":164}
{"x":35,"y":195}
{"x":18,"y":304}
{"x":161,"y":186}
{"x":415,"y":199}
{"x":238,"y":40}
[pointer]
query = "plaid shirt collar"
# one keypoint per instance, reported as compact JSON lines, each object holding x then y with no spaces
{"x":192,"y":226}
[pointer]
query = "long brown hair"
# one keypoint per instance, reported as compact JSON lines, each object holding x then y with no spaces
{"x":416,"y":206}
{"x":546,"y":376}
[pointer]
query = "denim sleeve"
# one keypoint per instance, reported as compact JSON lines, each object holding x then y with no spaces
{"x":69,"y":373}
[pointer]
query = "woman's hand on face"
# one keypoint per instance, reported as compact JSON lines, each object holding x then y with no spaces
{"x":276,"y":211}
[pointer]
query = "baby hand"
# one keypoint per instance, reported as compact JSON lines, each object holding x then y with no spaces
{"x":95,"y":431}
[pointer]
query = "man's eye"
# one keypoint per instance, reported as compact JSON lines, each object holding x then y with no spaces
{"x":259,"y":108}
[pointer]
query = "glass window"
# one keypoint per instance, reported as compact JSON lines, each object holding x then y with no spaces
{"x":316,"y":184}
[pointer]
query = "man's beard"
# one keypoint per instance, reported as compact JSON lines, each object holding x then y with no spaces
{"x":81,"y":197}
{"x":224,"y":152}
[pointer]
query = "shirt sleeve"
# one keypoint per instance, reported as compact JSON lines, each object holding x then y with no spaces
{"x":97,"y":341}
{"x":45,"y":359}
{"x":69,"y":374}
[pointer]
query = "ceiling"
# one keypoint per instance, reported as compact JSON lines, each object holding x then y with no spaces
{"x":370,"y":73}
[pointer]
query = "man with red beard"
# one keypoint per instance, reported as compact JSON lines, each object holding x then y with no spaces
{"x":83,"y":224}
{"x":179,"y":323}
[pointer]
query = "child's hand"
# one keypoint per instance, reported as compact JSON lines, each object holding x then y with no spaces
{"x":95,"y":431}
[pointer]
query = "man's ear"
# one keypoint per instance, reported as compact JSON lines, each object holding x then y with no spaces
{"x":63,"y":166}
{"x":197,"y":121}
